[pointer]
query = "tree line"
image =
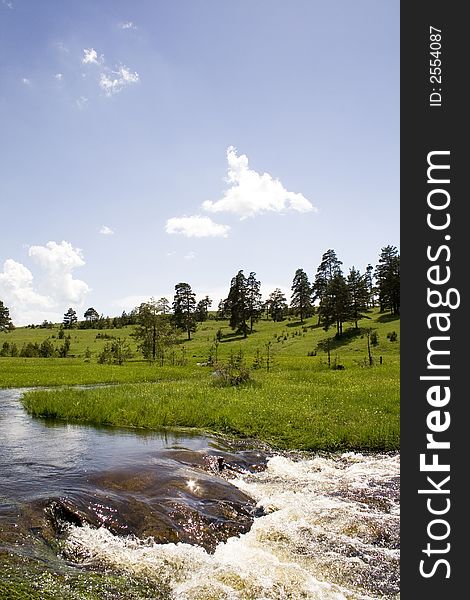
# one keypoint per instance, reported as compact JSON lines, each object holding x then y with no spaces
{"x":334,"y":297}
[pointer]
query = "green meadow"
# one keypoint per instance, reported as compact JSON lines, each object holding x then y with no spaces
{"x":293,"y":399}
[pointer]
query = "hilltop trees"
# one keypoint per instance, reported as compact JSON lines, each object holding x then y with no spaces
{"x":222,"y":311}
{"x":341,"y":299}
{"x":359,"y":295}
{"x":337,"y":299}
{"x":5,"y":320}
{"x":91,"y":315}
{"x":301,"y":299}
{"x":329,"y":267}
{"x":202,"y":309}
{"x":253,"y":299}
{"x":164,"y":305}
{"x":70,"y":318}
{"x":236,"y":304}
{"x":184,"y":308}
{"x":387,"y":273}
{"x":368,"y":278}
{"x":276,"y":305}
{"x":334,"y":308}
{"x":153,"y":331}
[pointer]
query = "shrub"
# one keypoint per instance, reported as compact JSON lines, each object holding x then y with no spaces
{"x":115,"y":353}
{"x":46,"y":349}
{"x":233,"y":372}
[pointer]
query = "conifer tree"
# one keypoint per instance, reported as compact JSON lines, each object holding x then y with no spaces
{"x":387,"y":273}
{"x":253,"y":299}
{"x":5,"y":320}
{"x":184,"y":308}
{"x":70,"y":318}
{"x":358,"y":295}
{"x":277,"y":305}
{"x":329,"y":267}
{"x":236,"y":304}
{"x":301,"y":299}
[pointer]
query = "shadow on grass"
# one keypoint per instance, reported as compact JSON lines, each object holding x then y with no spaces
{"x":295,"y":324}
{"x":387,"y":318}
{"x":304,"y":324}
{"x":232,"y":337}
{"x":348,"y":336}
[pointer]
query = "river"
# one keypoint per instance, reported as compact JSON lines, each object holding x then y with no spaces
{"x":111,"y":513}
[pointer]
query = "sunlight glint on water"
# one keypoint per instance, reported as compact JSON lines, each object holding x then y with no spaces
{"x":331,"y":532}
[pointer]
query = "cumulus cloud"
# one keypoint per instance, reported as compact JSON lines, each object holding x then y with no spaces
{"x":8,"y":4}
{"x":196,"y":226}
{"x":252,"y":193}
{"x":90,"y":57}
{"x":51,"y":290}
{"x":58,"y":76}
{"x":26,"y":81}
{"x":128,"y":25}
{"x":58,"y":261}
{"x":16,"y":289}
{"x":115,"y":81}
{"x":105,"y":230}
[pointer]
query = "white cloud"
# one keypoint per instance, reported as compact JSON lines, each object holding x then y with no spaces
{"x":196,"y":226}
{"x":116,"y":81}
{"x":16,"y":290}
{"x":81,"y":102}
{"x":128,"y":25}
{"x":58,"y":76}
{"x":253,"y":193}
{"x":105,"y":230}
{"x":47,"y":295}
{"x":90,"y":57}
{"x":58,"y":261}
{"x":26,"y":81}
{"x":190,"y":255}
{"x":8,"y":4}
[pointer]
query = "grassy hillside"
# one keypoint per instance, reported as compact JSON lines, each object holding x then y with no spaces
{"x":301,"y":402}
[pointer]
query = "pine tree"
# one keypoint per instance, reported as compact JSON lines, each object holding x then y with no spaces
{"x":202,"y":309}
{"x":184,"y":307}
{"x":335,"y":306}
{"x":5,"y":320}
{"x":153,"y":330}
{"x":253,"y":299}
{"x":236,"y":304}
{"x":277,"y":305}
{"x":222,"y":311}
{"x":91,"y":315}
{"x":164,"y":305}
{"x":301,"y":299}
{"x":70,"y":318}
{"x":358,"y":295}
{"x":387,"y":273}
{"x":368,"y":277}
{"x":329,"y":267}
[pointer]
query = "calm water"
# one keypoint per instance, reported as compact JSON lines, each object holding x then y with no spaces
{"x":158,"y":508}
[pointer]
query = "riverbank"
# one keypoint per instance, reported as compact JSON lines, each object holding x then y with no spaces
{"x":293,"y":409}
{"x":306,"y":389}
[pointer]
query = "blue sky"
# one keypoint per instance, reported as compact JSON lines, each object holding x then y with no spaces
{"x":152,"y":142}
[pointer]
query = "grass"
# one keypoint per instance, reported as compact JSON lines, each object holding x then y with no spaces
{"x":332,"y":410}
{"x":299,"y":404}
